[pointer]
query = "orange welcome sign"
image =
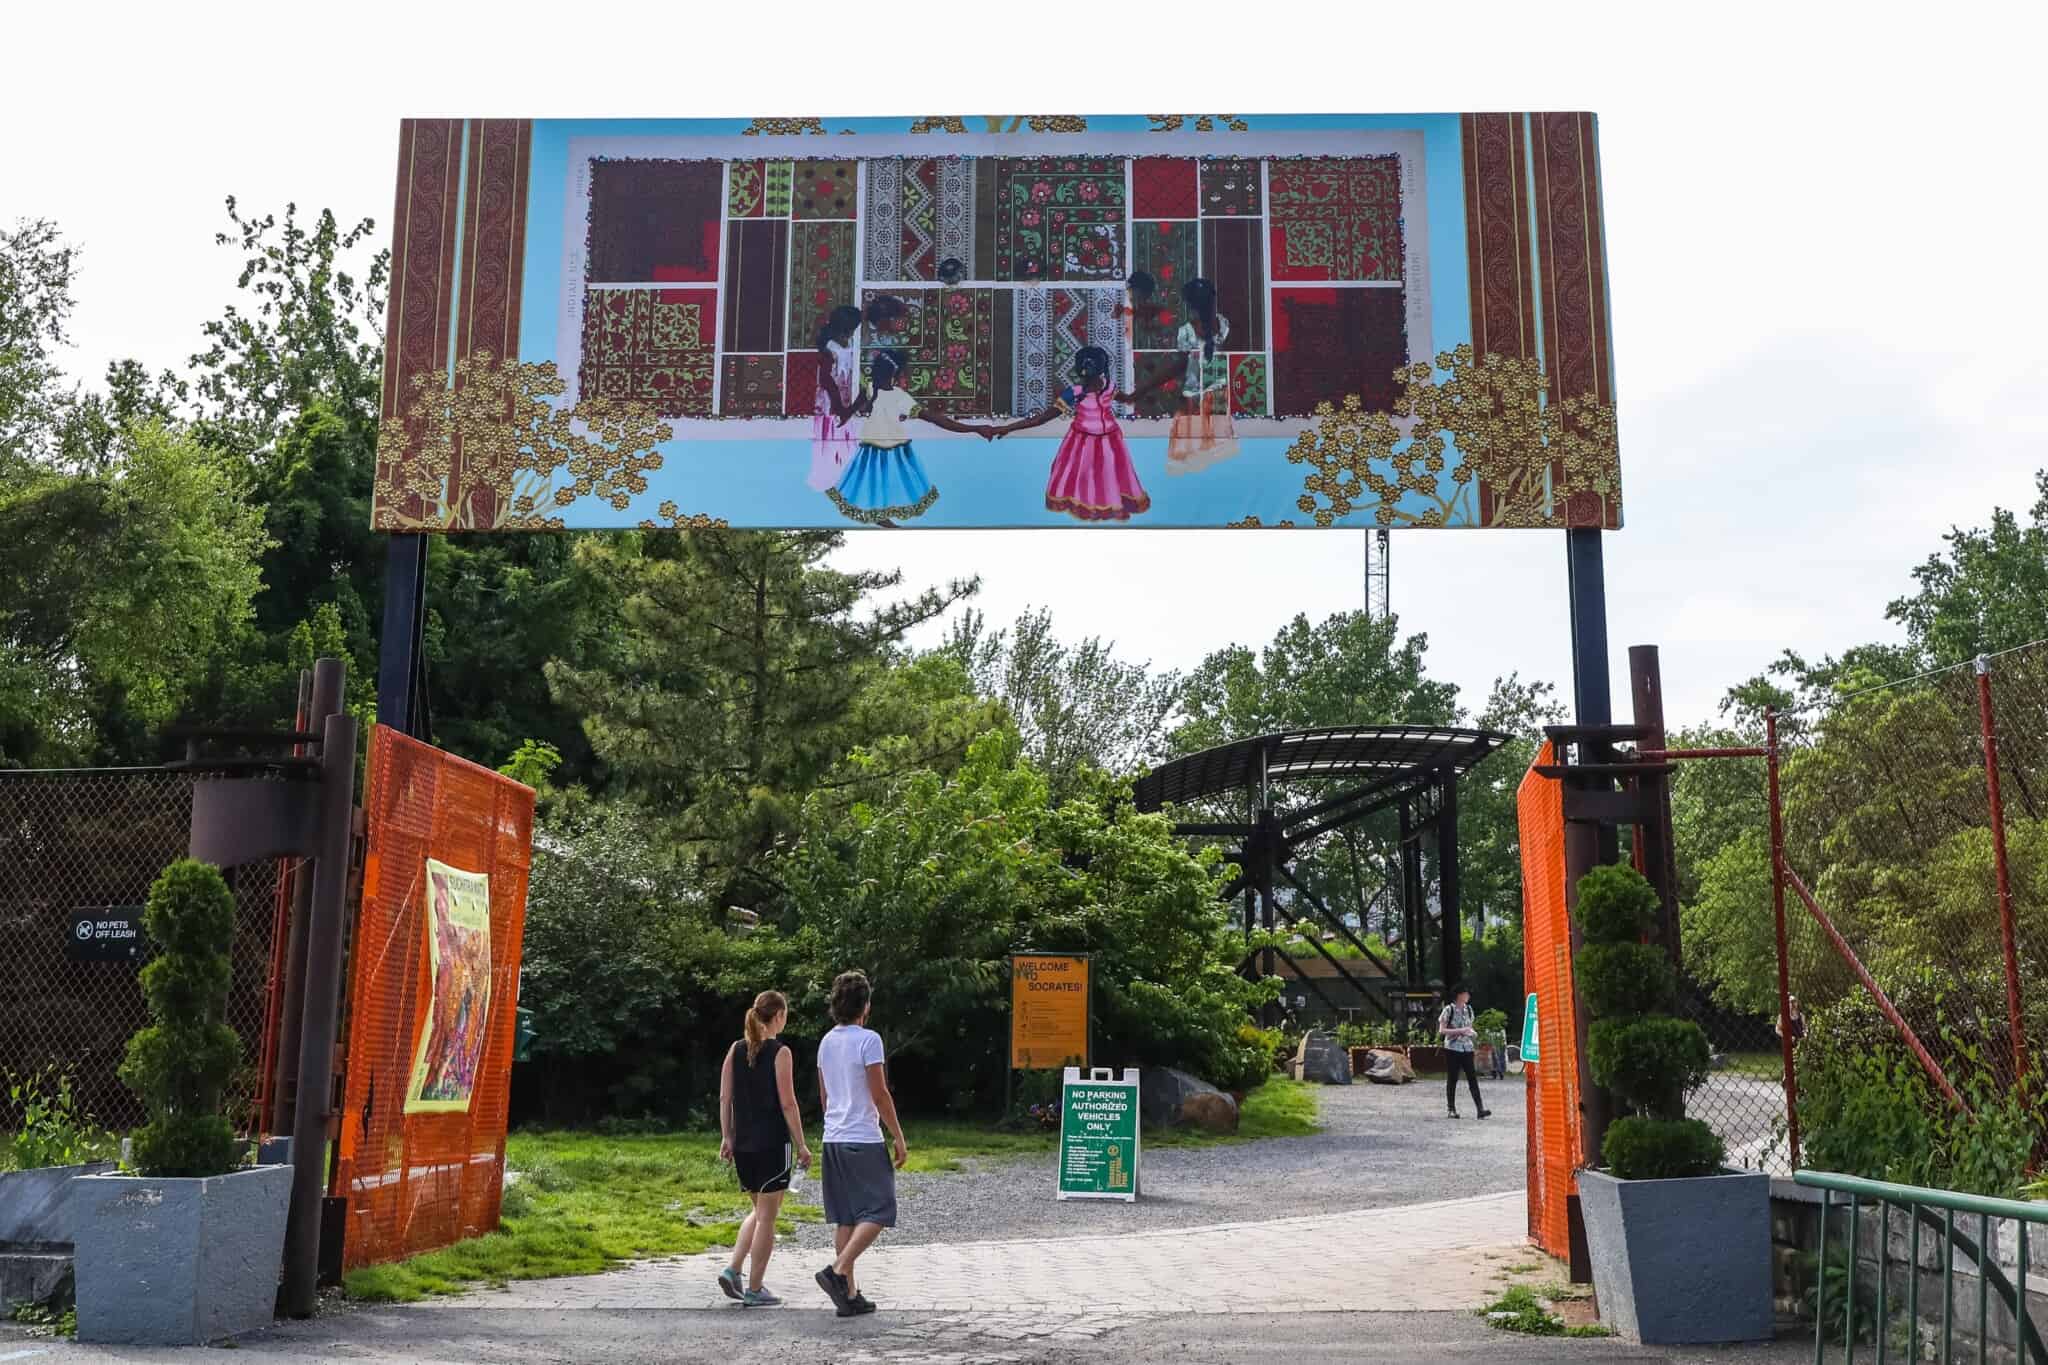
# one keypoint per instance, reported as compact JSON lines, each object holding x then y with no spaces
{"x":1049,"y":999}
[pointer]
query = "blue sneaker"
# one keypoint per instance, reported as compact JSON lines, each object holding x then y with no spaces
{"x":760,"y":1298}
{"x":729,"y":1281}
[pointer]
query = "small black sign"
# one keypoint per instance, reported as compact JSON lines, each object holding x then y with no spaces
{"x":107,"y":933}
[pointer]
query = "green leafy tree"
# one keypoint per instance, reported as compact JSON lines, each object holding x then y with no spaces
{"x":932,"y":884}
{"x":726,"y":694}
{"x":36,"y":271}
{"x":181,"y":1063}
{"x":1987,"y":592}
{"x":1076,"y":706}
{"x":117,"y":594}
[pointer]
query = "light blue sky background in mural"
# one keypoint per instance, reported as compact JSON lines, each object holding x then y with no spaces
{"x":761,"y":480}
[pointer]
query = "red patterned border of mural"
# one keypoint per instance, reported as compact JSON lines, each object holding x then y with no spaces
{"x":1568,"y":273}
{"x":1574,"y":276}
{"x":1497,"y":234}
{"x":494,"y":236}
{"x":422,"y":251}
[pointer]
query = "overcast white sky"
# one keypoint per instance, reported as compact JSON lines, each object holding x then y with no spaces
{"x":1826,"y":232}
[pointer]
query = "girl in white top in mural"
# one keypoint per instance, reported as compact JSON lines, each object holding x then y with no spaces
{"x":885,"y":483}
{"x":834,"y":434}
{"x":1202,"y":432}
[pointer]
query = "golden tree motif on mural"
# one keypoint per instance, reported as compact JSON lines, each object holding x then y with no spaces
{"x":1204,"y":123}
{"x":784,"y":127}
{"x":1542,"y":463}
{"x":672,"y":519}
{"x":1251,"y":522}
{"x":491,"y":452}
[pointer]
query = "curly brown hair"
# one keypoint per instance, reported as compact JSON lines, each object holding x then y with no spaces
{"x":850,"y":994}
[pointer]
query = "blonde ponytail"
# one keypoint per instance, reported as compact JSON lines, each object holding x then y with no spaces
{"x":768,"y":1007}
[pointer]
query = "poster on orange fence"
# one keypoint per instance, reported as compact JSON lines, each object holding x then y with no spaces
{"x":451,"y":1047}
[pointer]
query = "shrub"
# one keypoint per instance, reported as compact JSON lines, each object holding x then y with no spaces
{"x":1865,"y":1113}
{"x":181,"y":1063}
{"x":1648,"y":1063}
{"x":1646,"y":1059}
{"x":1616,"y":904}
{"x":54,"y":1131}
{"x":1638,"y":1148}
{"x":1619,"y":979}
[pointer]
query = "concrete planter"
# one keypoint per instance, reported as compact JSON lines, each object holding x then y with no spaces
{"x":36,"y":1232}
{"x":179,"y":1262}
{"x":1681,"y":1261}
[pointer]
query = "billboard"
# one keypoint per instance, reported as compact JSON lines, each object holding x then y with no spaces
{"x":1153,"y":320}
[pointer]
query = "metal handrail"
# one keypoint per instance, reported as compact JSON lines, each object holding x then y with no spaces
{"x":1921,"y":1202}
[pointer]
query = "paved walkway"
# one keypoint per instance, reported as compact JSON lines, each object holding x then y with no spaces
{"x":1447,"y":1254}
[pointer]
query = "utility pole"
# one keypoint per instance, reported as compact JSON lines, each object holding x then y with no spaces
{"x":1377,"y":606}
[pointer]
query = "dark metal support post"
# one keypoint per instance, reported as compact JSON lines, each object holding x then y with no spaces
{"x":1785,"y":1039}
{"x":1659,"y":858}
{"x":1412,"y":945}
{"x":401,"y":661}
{"x":1586,"y":845}
{"x":323,"y":699}
{"x":1450,"y":908}
{"x":322,"y":1006}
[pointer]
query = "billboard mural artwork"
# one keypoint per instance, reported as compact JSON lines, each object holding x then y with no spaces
{"x":458,"y":929}
{"x":1163,"y":320}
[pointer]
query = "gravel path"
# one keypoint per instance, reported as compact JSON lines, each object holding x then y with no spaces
{"x":1380,"y":1146}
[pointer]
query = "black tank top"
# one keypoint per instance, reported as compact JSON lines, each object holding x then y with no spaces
{"x":757,"y":1124}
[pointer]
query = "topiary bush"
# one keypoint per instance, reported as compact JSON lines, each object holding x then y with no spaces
{"x":1621,"y":979}
{"x":181,"y":1063}
{"x":1646,"y":1059}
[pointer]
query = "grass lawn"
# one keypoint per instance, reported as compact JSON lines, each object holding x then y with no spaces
{"x":585,"y":1202}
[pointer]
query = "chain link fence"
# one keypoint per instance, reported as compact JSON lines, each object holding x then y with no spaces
{"x":95,"y":839}
{"x":1888,"y":828}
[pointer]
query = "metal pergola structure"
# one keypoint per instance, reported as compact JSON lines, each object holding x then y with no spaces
{"x":1413,"y":769}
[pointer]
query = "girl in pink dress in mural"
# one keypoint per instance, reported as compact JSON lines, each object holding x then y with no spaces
{"x":1092,"y":477}
{"x":835,"y":434}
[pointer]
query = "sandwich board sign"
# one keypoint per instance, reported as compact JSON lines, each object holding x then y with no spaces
{"x":1099,"y":1135}
{"x":1530,"y":1051}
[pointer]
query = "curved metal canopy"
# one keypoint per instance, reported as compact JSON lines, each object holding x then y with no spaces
{"x":1388,"y":753}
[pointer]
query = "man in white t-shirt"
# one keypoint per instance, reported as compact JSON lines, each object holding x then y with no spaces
{"x":860,"y":1172}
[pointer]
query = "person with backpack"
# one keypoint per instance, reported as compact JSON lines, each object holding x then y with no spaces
{"x":1454,"y":1025}
{"x":763,"y":1137}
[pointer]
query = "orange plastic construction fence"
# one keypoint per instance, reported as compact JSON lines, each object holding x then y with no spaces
{"x":1553,"y":1080}
{"x":432,"y":1001}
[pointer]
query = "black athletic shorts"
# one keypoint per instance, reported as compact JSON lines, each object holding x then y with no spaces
{"x":763,"y":1172}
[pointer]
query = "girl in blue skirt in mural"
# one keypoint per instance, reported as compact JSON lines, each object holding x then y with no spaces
{"x":884,"y":482}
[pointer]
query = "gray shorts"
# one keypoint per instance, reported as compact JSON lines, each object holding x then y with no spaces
{"x":860,"y":1184}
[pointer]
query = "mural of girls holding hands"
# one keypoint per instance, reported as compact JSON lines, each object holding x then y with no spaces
{"x":1092,"y":477}
{"x":833,"y":432}
{"x":885,"y":483}
{"x":1202,"y":433}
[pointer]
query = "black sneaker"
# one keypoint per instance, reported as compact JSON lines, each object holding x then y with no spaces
{"x":1454,"y":1113}
{"x":856,"y":1307}
{"x":834,"y":1285}
{"x":1486,"y":1113}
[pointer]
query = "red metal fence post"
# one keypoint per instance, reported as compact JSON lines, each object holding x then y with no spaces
{"x":1987,"y":722}
{"x":1778,"y":928}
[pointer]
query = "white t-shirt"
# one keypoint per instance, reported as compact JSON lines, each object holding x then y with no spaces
{"x":844,"y":1057}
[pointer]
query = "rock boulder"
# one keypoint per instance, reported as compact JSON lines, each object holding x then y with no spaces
{"x":1388,"y":1068}
{"x":1321,"y":1060}
{"x":1165,"y":1094}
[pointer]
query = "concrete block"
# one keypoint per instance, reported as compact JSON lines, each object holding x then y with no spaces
{"x":179,"y":1262}
{"x":1681,"y":1261}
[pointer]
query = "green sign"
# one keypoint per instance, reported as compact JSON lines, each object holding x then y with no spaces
{"x":1530,"y":1049}
{"x":1098,"y":1136}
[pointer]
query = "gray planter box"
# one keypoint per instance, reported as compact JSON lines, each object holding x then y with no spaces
{"x":179,"y":1262}
{"x":1681,"y":1261}
{"x":35,"y":1232}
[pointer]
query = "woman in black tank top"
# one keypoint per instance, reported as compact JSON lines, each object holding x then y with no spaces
{"x":763,"y":1137}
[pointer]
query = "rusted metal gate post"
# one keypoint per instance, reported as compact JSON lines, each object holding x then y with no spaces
{"x":1785,"y":1039}
{"x":1987,"y":721}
